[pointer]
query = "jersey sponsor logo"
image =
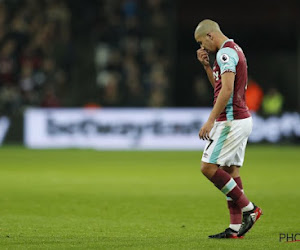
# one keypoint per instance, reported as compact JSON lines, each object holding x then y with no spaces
{"x":216,"y":75}
{"x":224,"y":58}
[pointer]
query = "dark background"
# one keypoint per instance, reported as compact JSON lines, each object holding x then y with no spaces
{"x":267,"y":31}
{"x":151,"y":50}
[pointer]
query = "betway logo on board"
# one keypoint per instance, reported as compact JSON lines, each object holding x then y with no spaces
{"x":93,"y":127}
{"x":115,"y":128}
{"x":139,"y":128}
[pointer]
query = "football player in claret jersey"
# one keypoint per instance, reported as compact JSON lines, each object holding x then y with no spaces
{"x":228,"y":126}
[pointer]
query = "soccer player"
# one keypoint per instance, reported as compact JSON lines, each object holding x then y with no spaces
{"x":228,"y":126}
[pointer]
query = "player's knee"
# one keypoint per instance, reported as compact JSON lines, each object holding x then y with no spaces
{"x":208,"y":169}
{"x":232,"y":170}
{"x":205,"y":168}
{"x":229,"y":170}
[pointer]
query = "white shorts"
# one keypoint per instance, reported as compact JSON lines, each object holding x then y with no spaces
{"x":227,"y":144}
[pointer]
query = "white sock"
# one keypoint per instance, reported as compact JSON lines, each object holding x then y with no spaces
{"x":235,"y":227}
{"x":248,"y":207}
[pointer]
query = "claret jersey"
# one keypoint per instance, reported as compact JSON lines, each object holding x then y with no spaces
{"x":231,"y":58}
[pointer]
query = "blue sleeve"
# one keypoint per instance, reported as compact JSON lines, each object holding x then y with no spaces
{"x":227,"y":59}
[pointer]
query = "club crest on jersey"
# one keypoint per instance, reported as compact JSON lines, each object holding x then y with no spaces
{"x":224,"y":58}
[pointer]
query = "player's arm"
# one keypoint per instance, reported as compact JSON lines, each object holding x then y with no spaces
{"x":225,"y":93}
{"x":203,"y":57}
{"x":227,"y":60}
{"x":222,"y":100}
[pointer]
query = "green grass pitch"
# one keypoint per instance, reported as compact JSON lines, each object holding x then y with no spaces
{"x":85,"y":199}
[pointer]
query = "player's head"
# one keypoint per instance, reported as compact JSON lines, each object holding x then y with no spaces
{"x":205,"y":34}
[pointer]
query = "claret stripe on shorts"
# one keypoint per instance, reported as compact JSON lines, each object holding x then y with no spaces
{"x":231,"y":184}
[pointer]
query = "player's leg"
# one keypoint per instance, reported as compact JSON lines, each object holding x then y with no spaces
{"x":234,"y":210}
{"x":224,"y":182}
{"x":223,"y":149}
{"x":248,"y":217}
{"x":234,"y":171}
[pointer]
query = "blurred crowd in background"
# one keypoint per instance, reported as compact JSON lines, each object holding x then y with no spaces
{"x":35,"y":54}
{"x":131,"y":53}
{"x":132,"y":57}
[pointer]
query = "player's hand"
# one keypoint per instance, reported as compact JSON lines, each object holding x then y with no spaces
{"x":203,"y":57}
{"x":205,"y":130}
